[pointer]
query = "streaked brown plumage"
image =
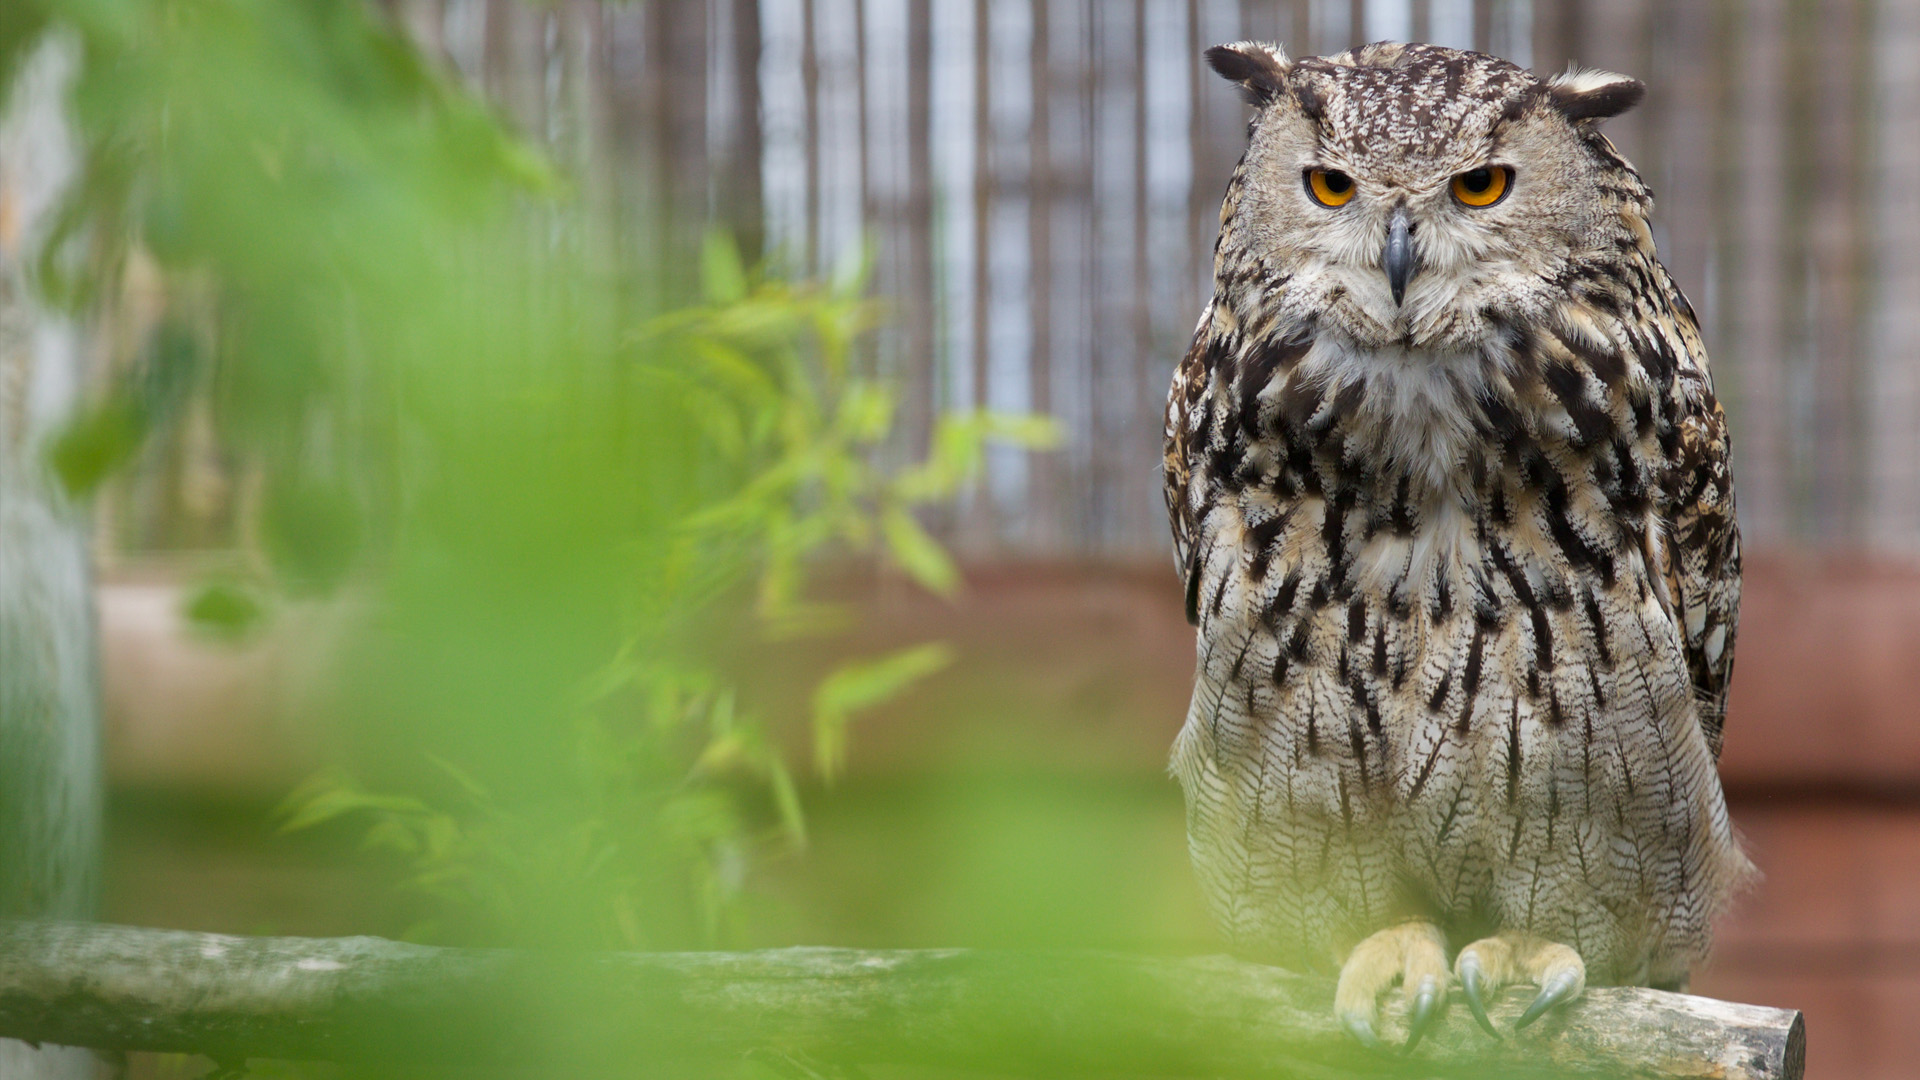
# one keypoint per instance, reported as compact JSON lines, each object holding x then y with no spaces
{"x":1464,"y":566}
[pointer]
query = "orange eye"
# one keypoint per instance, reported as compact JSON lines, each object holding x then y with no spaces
{"x":1483,"y":186}
{"x":1329,"y":187}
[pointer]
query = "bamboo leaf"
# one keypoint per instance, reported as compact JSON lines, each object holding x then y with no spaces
{"x":858,"y":686}
{"x":918,"y":553}
{"x":722,"y":276}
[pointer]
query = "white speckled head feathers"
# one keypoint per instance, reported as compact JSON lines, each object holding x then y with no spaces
{"x":1402,"y":122}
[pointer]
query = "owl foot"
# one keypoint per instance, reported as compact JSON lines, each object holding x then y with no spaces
{"x":1512,"y":956}
{"x":1413,"y":954}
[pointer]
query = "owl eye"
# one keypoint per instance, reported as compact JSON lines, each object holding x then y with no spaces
{"x":1329,"y":187}
{"x":1483,"y":186}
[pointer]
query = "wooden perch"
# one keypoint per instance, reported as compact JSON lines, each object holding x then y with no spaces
{"x":816,"y":1010}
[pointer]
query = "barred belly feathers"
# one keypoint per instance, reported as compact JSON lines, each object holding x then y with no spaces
{"x":1450,"y":494}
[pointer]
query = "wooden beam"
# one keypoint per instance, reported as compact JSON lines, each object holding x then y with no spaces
{"x":1035,"y":1014}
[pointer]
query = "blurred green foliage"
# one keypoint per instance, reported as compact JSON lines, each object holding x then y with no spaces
{"x":658,"y":805}
{"x":550,"y":510}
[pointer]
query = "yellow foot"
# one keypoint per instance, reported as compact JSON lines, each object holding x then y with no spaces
{"x":1512,"y":956}
{"x":1414,"y":954}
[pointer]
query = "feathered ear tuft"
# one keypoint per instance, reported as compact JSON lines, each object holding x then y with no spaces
{"x":1259,"y":68}
{"x":1586,"y":95}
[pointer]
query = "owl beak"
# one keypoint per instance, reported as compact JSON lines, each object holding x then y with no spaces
{"x":1401,"y":257}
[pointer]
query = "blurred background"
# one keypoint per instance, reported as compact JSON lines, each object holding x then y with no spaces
{"x":763,"y":396}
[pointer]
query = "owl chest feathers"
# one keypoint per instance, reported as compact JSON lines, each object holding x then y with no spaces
{"x":1398,"y":473}
{"x":1437,"y":641}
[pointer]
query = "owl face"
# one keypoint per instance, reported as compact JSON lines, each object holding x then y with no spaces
{"x":1418,"y":196}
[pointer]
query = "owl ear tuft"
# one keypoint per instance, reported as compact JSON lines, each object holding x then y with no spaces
{"x":1587,"y":95}
{"x":1259,"y":68}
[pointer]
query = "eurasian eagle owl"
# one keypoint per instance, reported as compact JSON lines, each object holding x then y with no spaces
{"x":1449,"y":490}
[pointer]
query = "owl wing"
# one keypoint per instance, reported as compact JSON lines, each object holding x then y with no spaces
{"x":1703,"y":571}
{"x":1184,"y":441}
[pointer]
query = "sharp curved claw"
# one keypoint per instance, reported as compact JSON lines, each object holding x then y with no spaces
{"x":1470,"y":988}
{"x":1361,"y":1028}
{"x":1556,"y":991}
{"x":1426,"y":1006}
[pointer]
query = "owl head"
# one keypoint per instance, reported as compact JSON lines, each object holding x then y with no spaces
{"x":1418,"y":196}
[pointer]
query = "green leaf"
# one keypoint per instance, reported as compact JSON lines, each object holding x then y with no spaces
{"x":786,"y":797}
{"x":860,"y":685}
{"x":311,"y":532}
{"x":473,"y":788}
{"x":866,"y":413}
{"x":224,"y":609}
{"x":98,"y":443}
{"x":329,"y":804}
{"x":918,"y":553}
{"x":723,"y":752}
{"x":722,"y":276}
{"x":391,"y":835}
{"x":1033,"y":431}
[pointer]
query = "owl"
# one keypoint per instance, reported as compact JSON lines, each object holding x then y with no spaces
{"x":1450,"y":496}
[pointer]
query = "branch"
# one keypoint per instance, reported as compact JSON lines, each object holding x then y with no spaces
{"x":368,"y":999}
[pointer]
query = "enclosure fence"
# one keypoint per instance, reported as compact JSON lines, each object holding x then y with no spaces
{"x":1037,"y":184}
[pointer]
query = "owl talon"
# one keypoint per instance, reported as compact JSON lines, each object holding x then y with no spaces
{"x":1512,"y":957}
{"x":1413,"y":954}
{"x":1470,"y":987}
{"x":1360,"y":1028}
{"x":1558,"y":988}
{"x":1426,"y":1006}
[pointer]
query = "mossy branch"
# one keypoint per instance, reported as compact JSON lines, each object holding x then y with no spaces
{"x":815,"y":1011}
